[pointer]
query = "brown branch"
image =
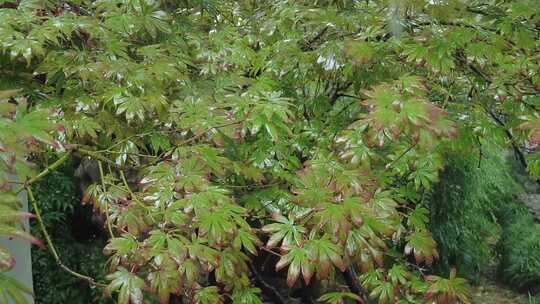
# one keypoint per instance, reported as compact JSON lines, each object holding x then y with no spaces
{"x":480,"y":152}
{"x":353,"y":284}
{"x":99,"y":157}
{"x":339,"y":88}
{"x":309,"y":44}
{"x":359,"y":98}
{"x":267,"y":288}
{"x":510,"y":137}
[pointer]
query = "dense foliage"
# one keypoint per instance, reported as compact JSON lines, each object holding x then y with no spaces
{"x":464,"y":207}
{"x":306,"y":130}
{"x":518,"y":248}
{"x":75,"y":235}
{"x":478,"y":220}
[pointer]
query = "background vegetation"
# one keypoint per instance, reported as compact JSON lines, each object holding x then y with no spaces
{"x":77,"y":238}
{"x":287,"y":151}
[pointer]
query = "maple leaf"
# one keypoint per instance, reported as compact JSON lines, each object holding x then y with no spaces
{"x":422,"y":246}
{"x":128,"y":285}
{"x":323,"y":253}
{"x":446,"y":291}
{"x":339,"y":297}
{"x":297,"y":259}
{"x":208,"y":295}
{"x":284,"y":231}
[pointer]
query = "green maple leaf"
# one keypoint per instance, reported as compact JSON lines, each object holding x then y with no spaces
{"x":418,"y":218}
{"x":284,"y":231}
{"x":128,"y":285}
{"x":398,"y":274}
{"x":366,"y":245}
{"x":133,"y":219}
{"x":446,"y":291}
{"x":339,"y":297}
{"x":323,"y":253}
{"x":14,"y":232}
{"x":422,"y":246}
{"x":7,"y":261}
{"x":166,"y":280}
{"x":298,"y":261}
{"x":121,"y":245}
{"x":333,"y":216}
{"x":208,"y":295}
{"x":246,"y":240}
{"x":385,"y":292}
{"x":246,"y":296}
{"x":232,"y":264}
{"x":206,"y":255}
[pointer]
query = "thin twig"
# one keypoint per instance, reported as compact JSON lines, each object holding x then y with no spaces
{"x":270,"y":251}
{"x":510,"y":137}
{"x":107,"y":218}
{"x":480,"y":152}
{"x":391,"y":164}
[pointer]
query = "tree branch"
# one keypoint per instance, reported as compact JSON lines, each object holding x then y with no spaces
{"x":193,"y":138}
{"x":309,"y":44}
{"x":45,"y":172}
{"x":270,"y":290}
{"x":454,"y":23}
{"x":354,"y":285}
{"x":510,"y":137}
{"x":51,"y":246}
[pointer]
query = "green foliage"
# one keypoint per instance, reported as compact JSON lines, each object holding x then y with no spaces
{"x":474,"y":207}
{"x":59,"y":201}
{"x":58,"y":196}
{"x":315,"y":126}
{"x":54,"y":286}
{"x":533,"y":300}
{"x":518,"y":248}
{"x":449,"y":290}
{"x":12,"y":291}
{"x":339,"y":297}
{"x":21,"y":131}
{"x":463,"y":207}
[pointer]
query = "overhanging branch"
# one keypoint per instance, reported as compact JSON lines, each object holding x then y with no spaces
{"x":51,"y":246}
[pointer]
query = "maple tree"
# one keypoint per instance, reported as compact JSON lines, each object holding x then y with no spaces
{"x":304,"y":130}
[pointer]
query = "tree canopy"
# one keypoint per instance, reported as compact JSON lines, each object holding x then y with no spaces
{"x":306,"y":132}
